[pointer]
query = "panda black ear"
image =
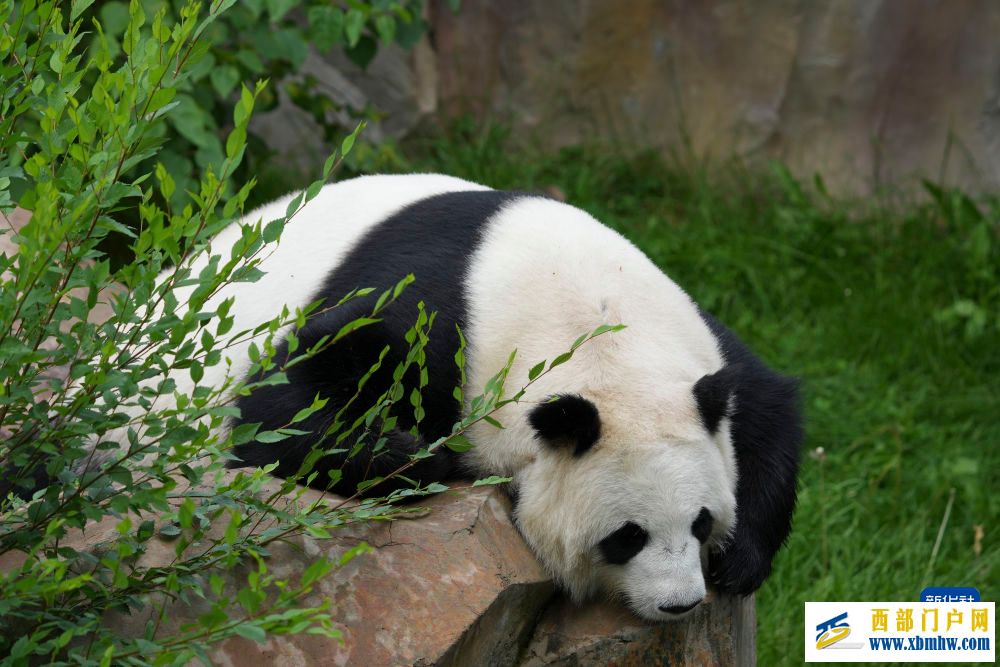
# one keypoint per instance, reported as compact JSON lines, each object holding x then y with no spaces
{"x":567,"y":419}
{"x":712,"y":394}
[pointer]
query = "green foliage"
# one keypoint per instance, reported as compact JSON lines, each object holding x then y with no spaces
{"x":242,"y":41}
{"x":976,"y":309}
{"x":891,"y":316}
{"x":81,"y":137}
{"x":74,"y":130}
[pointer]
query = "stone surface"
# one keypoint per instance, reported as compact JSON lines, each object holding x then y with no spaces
{"x":398,"y":87}
{"x":11,"y":225}
{"x":720,"y":632}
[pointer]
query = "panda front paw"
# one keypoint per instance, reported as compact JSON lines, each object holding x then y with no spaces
{"x":739,"y":569}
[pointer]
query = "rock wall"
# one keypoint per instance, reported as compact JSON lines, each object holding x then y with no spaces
{"x":867,"y":92}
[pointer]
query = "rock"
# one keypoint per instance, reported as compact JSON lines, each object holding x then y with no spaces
{"x":882,"y":92}
{"x":398,"y":86}
{"x":719,"y":632}
{"x":12,"y":224}
{"x":455,"y":581}
{"x":460,"y":587}
{"x":427,"y":583}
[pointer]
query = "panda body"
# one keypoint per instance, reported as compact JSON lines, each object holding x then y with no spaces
{"x":669,"y":450}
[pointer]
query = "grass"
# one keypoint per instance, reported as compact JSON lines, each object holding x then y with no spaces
{"x":890,"y":316}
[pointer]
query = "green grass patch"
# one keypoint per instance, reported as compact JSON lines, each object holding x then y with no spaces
{"x":888,"y":314}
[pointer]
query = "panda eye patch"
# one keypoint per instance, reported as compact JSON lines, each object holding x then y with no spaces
{"x":701,"y":528}
{"x":620,"y":546}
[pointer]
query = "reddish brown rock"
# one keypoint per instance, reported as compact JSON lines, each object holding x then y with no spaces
{"x":427,"y":581}
{"x":11,"y":225}
{"x":460,"y":587}
{"x":719,"y":632}
{"x":101,"y":312}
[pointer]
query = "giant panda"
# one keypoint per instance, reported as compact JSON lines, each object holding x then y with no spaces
{"x":661,"y":457}
{"x":669,"y":455}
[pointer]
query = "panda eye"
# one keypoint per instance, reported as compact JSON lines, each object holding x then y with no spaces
{"x":702,"y":526}
{"x":620,"y":546}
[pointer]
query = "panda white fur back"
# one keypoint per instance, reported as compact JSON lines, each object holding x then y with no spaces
{"x":672,"y":451}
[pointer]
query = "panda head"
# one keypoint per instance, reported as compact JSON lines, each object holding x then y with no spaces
{"x":648,"y":505}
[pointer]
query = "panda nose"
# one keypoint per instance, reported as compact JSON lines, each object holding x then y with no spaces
{"x":679,"y":608}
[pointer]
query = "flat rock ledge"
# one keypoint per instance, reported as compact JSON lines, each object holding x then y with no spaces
{"x":455,"y":586}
